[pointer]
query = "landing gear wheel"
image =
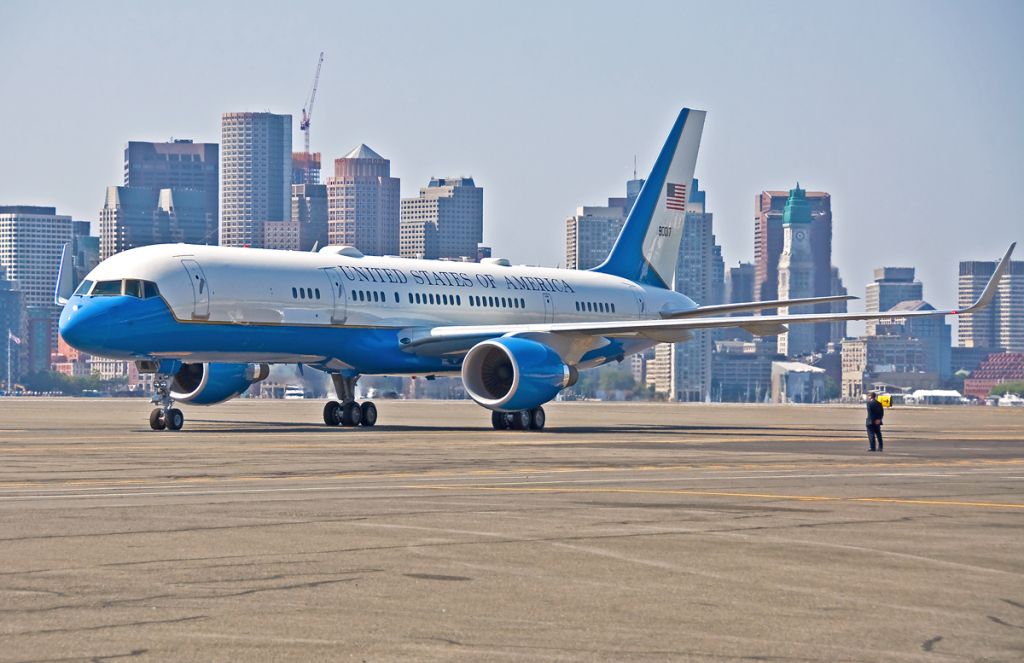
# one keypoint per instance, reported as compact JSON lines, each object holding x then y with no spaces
{"x":369,"y":413}
{"x":351,"y":414}
{"x":520,"y":419}
{"x":156,"y":419}
{"x":332,"y":413}
{"x":498,"y":420}
{"x":537,"y":418}
{"x":174,"y":419}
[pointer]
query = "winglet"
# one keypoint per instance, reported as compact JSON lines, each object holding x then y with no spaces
{"x":993,"y":284}
{"x":65,"y":285}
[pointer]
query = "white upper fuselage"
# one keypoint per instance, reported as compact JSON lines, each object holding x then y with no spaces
{"x":267,"y":287}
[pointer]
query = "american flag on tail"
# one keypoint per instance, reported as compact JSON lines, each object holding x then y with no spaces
{"x":675,"y":197}
{"x":12,"y":337}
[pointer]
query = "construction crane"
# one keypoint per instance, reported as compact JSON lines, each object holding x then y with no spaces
{"x":307,"y":110}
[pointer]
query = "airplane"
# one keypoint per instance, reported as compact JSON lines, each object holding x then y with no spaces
{"x":209,"y":320}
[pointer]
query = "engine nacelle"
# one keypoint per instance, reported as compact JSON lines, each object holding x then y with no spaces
{"x":512,"y":373}
{"x":208,"y":384}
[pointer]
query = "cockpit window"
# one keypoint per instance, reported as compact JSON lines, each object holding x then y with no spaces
{"x":133,"y":287}
{"x":106,"y":289}
{"x":83,"y":289}
{"x":149,"y":289}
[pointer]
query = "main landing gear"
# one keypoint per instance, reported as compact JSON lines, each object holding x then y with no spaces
{"x":519,"y":420}
{"x":348,"y":412}
{"x":164,"y":416}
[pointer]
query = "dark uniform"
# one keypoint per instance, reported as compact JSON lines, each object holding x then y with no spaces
{"x":874,"y":423}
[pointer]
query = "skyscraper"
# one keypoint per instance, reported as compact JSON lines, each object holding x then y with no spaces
{"x":305,"y":168}
{"x":11,"y":321}
{"x":140,"y":216}
{"x":592,"y":231}
{"x":837,"y":327}
{"x":696,"y":272}
{"x":768,"y":239}
{"x":739,"y":284}
{"x":891,"y":286}
{"x":179,"y":164}
{"x":363,"y":203}
{"x":445,"y":221}
{"x":796,"y":272}
{"x":31,"y":241}
{"x":85,"y":247}
{"x":256,"y":175}
{"x":1001,"y":325}
{"x":309,"y":211}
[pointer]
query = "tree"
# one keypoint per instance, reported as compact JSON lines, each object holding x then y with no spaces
{"x":1016,"y":387}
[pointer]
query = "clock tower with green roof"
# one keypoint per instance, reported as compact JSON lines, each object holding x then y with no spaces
{"x":796,"y":272}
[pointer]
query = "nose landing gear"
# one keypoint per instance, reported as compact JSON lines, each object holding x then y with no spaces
{"x":348,"y":412}
{"x":164,"y":416}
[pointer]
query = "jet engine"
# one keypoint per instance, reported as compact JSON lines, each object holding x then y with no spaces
{"x":510,"y":374}
{"x":208,"y":384}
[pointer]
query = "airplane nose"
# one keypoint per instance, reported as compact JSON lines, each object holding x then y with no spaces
{"x":84,"y":327}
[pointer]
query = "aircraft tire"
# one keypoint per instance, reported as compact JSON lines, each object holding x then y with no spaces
{"x":332,"y":413}
{"x":498,"y":420}
{"x":520,"y":420}
{"x":156,"y":419}
{"x":175,"y":419}
{"x":369,"y":414}
{"x":351,"y":414}
{"x":537,"y":418}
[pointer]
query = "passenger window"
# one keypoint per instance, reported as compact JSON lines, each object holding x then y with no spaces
{"x":302,"y":293}
{"x":397,"y":300}
{"x":431,"y":296}
{"x":613,"y":307}
{"x":106,"y":289}
{"x":83,"y":289}
{"x":577,"y":306}
{"x":309,"y":293}
{"x":149,"y":289}
{"x":458,"y":300}
{"x":410,"y":298}
{"x":522,"y":303}
{"x":317,"y":291}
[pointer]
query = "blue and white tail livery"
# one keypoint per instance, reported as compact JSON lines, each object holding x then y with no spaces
{"x":208,"y":320}
{"x":647,"y":250}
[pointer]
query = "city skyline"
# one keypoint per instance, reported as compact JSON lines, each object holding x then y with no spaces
{"x":894,"y":145}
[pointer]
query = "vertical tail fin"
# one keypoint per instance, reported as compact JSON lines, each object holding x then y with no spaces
{"x":647,"y":248}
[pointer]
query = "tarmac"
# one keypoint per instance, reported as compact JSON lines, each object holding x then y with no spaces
{"x":624,"y":531}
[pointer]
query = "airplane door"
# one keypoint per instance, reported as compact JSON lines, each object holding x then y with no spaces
{"x":640,"y":302}
{"x":200,"y":290}
{"x":337,"y":288}
{"x":549,"y":308}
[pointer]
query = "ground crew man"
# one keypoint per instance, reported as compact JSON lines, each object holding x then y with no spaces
{"x":874,"y":421}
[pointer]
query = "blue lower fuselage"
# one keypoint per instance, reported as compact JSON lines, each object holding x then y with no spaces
{"x":123,"y":327}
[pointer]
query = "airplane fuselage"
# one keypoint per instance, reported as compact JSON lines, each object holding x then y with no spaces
{"x":332,"y":309}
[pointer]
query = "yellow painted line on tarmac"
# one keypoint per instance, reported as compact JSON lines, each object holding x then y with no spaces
{"x":713,"y":493}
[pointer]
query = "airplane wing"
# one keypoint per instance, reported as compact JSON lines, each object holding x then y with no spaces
{"x":717,"y":309}
{"x":457,"y":338}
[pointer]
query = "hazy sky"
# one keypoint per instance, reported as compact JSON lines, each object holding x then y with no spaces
{"x":910,"y":113}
